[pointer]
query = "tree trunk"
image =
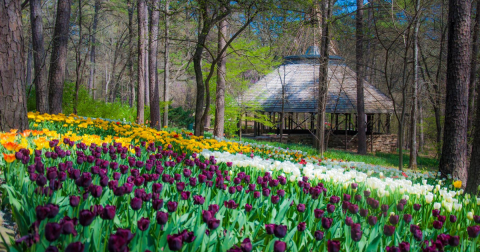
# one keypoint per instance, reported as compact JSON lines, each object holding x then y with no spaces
{"x":413,"y":115}
{"x":454,"y":151}
{"x":323,"y":77}
{"x":474,"y":168}
{"x":41,"y":87}
{"x":197,"y":66}
{"x":166,"y":72}
{"x":152,"y":56}
{"x":28,"y":73}
{"x":78,"y":58}
{"x":147,"y":79}
{"x":91,"y":79}
{"x":421,"y":139}
{"x":131,"y":84}
{"x":13,"y":102}
{"x":221,"y":74}
{"x":141,"y":60}
{"x":58,"y":59}
{"x":362,"y":135}
{"x":473,"y":74}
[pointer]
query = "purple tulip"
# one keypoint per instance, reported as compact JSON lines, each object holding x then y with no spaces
{"x":394,"y":219}
{"x":52,"y":231}
{"x":326,"y":222}
{"x":400,"y":207}
{"x":330,"y":208}
{"x":180,"y":186}
{"x":248,"y":207}
{"x":51,"y":249}
{"x":213,"y":223}
{"x":119,"y":241}
{"x":454,"y":241}
{"x":230,"y":204}
{"x":42,"y":212}
{"x":388,"y":230}
{"x":86,"y":217}
{"x":346,"y":197}
{"x":143,"y":224}
{"x":75,"y":247}
{"x":275,"y":199}
{"x":301,"y":208}
{"x":334,"y":199}
{"x":435,"y":212}
{"x":333,"y":246}
{"x":417,"y":233}
{"x":280,"y":231}
{"x":246,"y":245}
{"x":443,"y":218}
{"x":185,"y":195}
{"x":473,"y":231}
{"x":96,"y":191}
{"x":269,"y":228}
{"x":437,"y":224}
{"x":364,"y":212}
{"x":162,"y":218}
{"x":266,"y":192}
{"x":136,"y":203}
{"x":318,"y":235}
{"x":301,"y":226}
{"x":256,"y":194}
{"x":198,"y":200}
{"x":384,"y":207}
{"x":356,"y":232}
{"x":108,"y":212}
{"x":407,"y":218}
{"x":279,"y":246}
{"x":353,"y":209}
{"x":68,"y":225}
{"x":318,"y":213}
{"x":358,"y":197}
{"x":157,"y":187}
{"x":453,"y":218}
{"x":214,"y":208}
{"x":172,"y":206}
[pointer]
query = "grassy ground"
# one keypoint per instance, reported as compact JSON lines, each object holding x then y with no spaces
{"x":383,"y":159}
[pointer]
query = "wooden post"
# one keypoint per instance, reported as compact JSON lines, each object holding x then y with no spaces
{"x":312,"y":121}
{"x":346,"y":131}
{"x":387,"y":124}
{"x":336,"y":121}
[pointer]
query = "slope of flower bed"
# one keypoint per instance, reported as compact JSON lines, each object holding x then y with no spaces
{"x":72,"y":196}
{"x":89,"y":185}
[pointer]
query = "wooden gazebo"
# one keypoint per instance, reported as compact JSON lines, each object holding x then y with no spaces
{"x":294,"y":86}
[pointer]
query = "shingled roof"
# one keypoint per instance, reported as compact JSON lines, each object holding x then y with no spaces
{"x":301,"y":91}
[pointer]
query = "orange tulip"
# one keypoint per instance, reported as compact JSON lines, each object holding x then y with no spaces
{"x":10,"y":146}
{"x":9,"y":157}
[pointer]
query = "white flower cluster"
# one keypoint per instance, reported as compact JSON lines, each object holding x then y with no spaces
{"x":336,"y":172}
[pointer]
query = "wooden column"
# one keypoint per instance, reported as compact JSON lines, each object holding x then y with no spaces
{"x":387,"y":124}
{"x":346,"y":131}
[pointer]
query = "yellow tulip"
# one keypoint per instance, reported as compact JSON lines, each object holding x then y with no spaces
{"x":457,"y":184}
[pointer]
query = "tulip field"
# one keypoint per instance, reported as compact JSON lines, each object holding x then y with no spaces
{"x":75,"y":184}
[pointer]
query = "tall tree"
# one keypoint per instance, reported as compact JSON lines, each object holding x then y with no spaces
{"x":40,"y":80}
{"x":152,"y":57}
{"x":166,"y":72}
{"x":362,"y":135}
{"x":211,"y":13}
{"x":58,"y":58}
{"x":13,"y":101}
{"x":131,"y":81}
{"x":413,"y":115}
{"x":473,"y":180}
{"x":473,"y":72}
{"x":323,"y":75}
{"x":93,"y":38}
{"x":221,"y":71}
{"x":454,"y":151}
{"x":78,"y":56}
{"x":141,"y":16}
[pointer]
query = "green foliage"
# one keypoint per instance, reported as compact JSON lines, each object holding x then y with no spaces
{"x":89,"y":107}
{"x":247,"y":61}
